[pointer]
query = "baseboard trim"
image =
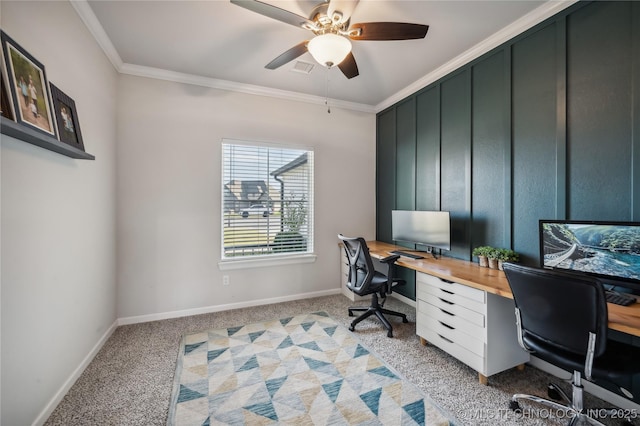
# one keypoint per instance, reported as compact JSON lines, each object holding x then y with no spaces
{"x":589,"y":387}
{"x":225,"y":307}
{"x":53,"y":403}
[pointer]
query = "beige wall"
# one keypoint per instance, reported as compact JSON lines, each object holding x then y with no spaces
{"x":169,"y":192}
{"x":58,"y":220}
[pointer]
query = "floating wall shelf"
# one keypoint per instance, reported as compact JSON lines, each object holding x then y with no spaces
{"x":26,"y":134}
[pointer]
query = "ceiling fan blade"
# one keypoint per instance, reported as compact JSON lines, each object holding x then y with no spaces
{"x":388,"y":31}
{"x":349,"y":67}
{"x":288,"y":56}
{"x":272,"y":12}
{"x":345,"y":7}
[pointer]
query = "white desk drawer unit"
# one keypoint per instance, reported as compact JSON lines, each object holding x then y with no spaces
{"x":450,"y":321}
{"x":455,"y":304}
{"x":476,"y":327}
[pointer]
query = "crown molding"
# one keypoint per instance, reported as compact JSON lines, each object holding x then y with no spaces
{"x":519,"y":26}
{"x":91,"y":22}
{"x":531,"y":19}
{"x":196,"y":80}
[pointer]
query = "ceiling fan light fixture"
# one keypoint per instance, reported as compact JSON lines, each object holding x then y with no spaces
{"x":329,"y":49}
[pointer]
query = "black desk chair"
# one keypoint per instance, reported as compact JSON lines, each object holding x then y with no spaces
{"x":562,"y":319}
{"x":364,"y":279}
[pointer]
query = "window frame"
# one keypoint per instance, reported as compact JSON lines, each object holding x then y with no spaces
{"x":270,"y":259}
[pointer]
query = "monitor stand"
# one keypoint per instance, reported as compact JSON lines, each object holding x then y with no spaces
{"x":621,"y":289}
{"x":432,"y":251}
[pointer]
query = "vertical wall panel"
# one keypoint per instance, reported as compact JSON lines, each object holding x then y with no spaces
{"x":561,"y":118}
{"x":385,"y":174}
{"x":406,"y":155}
{"x":635,"y":54}
{"x":600,"y":89}
{"x":428,"y":150}
{"x":490,"y":138}
{"x":406,"y":179}
{"x":534,"y":138}
{"x":456,"y":160}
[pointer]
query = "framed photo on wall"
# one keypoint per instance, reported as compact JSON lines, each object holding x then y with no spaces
{"x":28,"y":87}
{"x":5,"y":106}
{"x":67,"y":118}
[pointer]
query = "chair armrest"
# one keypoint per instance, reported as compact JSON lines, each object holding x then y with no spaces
{"x":390,"y":259}
{"x":394,"y":282}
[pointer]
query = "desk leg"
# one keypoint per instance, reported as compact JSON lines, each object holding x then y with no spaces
{"x":423,"y":341}
{"x":484,"y":380}
{"x":520,"y":367}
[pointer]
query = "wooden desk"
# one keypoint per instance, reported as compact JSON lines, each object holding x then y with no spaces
{"x":621,"y":318}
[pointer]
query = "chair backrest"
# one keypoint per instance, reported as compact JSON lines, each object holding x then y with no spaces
{"x":559,"y":309}
{"x":361,"y":269}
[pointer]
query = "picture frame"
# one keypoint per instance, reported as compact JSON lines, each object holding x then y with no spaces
{"x":66,"y":118}
{"x":5,"y":105}
{"x":28,"y":87}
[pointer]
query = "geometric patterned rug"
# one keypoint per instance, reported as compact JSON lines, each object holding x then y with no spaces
{"x":302,"y":370}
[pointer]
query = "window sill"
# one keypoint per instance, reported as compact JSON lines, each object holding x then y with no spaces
{"x":259,"y":262}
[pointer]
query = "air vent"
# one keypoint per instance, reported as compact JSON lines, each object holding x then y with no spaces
{"x":302,"y":67}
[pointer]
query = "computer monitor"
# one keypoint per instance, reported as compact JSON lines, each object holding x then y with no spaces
{"x":607,"y":250}
{"x":426,"y":228}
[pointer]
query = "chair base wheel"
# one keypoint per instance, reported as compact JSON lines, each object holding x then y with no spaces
{"x":375,"y":309}
{"x":553,"y":393}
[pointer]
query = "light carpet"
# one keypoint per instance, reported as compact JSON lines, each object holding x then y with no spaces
{"x":302,"y":370}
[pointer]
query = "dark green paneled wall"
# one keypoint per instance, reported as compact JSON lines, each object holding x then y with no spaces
{"x":455,"y":159}
{"x":385,"y":174}
{"x":406,"y":155}
{"x":428,"y":150}
{"x":545,"y":126}
{"x":599,"y":103}
{"x":490,"y":127}
{"x":534,"y":144}
{"x":406,"y":177}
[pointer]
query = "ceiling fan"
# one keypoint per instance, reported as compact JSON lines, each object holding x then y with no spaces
{"x":330,"y":23}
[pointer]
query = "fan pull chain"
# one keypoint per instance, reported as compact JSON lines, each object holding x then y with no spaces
{"x":326,"y":98}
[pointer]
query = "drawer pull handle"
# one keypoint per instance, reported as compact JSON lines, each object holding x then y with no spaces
{"x":447,"y":312}
{"x":445,"y":339}
{"x":446,"y":301}
{"x":446,"y":291}
{"x":446,"y":281}
{"x":447,"y":325}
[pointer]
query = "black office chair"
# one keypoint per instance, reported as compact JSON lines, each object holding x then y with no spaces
{"x":562,"y":319}
{"x":364,"y":279}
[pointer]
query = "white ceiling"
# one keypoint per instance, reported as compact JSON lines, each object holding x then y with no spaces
{"x":220,"y":44}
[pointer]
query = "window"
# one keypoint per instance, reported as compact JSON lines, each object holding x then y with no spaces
{"x":267,"y":200}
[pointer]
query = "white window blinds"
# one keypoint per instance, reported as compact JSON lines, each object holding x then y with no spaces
{"x":267,"y":200}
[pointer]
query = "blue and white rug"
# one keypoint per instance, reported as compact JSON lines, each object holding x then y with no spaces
{"x":302,"y":370}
